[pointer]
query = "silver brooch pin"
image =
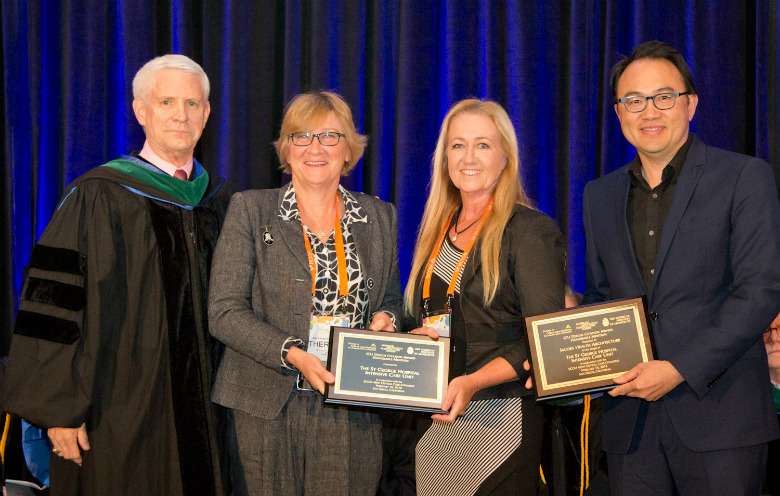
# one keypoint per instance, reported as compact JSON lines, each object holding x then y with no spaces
{"x":267,"y":236}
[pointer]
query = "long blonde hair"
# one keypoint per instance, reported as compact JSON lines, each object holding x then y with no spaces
{"x":444,"y":199}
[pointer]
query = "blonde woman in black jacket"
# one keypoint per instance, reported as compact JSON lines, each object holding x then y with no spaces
{"x":484,"y":259}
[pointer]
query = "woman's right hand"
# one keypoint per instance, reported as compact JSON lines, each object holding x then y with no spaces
{"x":311,"y":367}
{"x":427,"y":331}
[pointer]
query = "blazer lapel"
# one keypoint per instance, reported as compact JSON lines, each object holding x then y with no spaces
{"x":683,"y":191}
{"x":470,"y":269}
{"x":292,"y":234}
{"x":368,"y":244}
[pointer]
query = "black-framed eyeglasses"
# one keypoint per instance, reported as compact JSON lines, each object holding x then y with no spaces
{"x":326,"y":139}
{"x":662,"y":101}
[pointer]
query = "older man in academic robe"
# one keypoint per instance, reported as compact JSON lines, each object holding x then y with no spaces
{"x":111,"y":352}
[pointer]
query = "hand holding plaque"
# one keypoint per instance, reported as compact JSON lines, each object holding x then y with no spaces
{"x":581,"y":350}
{"x":387,"y":369}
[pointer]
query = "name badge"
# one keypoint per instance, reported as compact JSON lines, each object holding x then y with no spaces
{"x":440,"y":321}
{"x":319,"y":334}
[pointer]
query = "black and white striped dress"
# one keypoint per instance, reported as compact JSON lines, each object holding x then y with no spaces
{"x":454,"y":459}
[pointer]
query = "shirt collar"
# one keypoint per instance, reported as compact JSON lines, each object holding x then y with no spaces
{"x":288,"y":210}
{"x":673,"y":168}
{"x":148,"y":154}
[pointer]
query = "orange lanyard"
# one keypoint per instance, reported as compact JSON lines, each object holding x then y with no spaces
{"x":340,"y":256}
{"x":426,"y":294}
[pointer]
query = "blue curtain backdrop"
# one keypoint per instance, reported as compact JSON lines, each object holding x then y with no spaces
{"x":68,"y":66}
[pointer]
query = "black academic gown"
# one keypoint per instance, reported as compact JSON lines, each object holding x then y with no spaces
{"x":112,"y":332}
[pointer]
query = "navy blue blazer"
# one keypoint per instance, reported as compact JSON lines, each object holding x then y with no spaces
{"x":716,"y":289}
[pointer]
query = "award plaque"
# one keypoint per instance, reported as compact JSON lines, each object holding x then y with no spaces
{"x":387,"y":369}
{"x":580,"y":350}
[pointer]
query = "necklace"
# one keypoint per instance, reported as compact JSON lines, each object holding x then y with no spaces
{"x":455,"y":236}
{"x":322,"y":235}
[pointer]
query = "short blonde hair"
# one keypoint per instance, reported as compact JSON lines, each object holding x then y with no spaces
{"x":307,"y":109}
{"x":444,"y":199}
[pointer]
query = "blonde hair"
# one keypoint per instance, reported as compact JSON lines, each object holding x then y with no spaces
{"x":306,"y":110}
{"x":444,"y":199}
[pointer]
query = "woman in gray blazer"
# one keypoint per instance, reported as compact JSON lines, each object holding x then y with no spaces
{"x":484,"y":259}
{"x":289,"y":263}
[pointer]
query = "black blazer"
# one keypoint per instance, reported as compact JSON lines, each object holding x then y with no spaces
{"x":531,"y":281}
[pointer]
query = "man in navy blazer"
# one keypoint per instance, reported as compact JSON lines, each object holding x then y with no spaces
{"x":697,"y":230}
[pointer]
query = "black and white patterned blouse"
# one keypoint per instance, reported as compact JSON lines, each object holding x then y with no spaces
{"x":325,"y":300}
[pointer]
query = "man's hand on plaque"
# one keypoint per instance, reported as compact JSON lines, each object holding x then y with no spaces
{"x":529,"y":383}
{"x":457,"y":399}
{"x":311,"y":367}
{"x":648,"y":380}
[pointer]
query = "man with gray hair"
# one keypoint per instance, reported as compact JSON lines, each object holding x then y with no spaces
{"x":111,"y":351}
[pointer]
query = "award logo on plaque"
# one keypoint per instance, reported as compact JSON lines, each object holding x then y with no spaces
{"x":580,"y":350}
{"x":387,"y":369}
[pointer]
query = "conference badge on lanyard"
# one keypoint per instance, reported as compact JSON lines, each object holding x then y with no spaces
{"x":319,"y":334}
{"x":319,"y":325}
{"x":441,"y":320}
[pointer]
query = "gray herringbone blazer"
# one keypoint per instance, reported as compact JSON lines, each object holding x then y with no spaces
{"x":260,"y":293}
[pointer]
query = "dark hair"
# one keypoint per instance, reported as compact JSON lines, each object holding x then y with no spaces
{"x":653,"y":50}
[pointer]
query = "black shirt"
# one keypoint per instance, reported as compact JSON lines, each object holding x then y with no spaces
{"x":647,"y":208}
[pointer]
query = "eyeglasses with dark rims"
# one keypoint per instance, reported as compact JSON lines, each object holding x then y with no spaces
{"x":662,"y":101}
{"x":326,"y":139}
